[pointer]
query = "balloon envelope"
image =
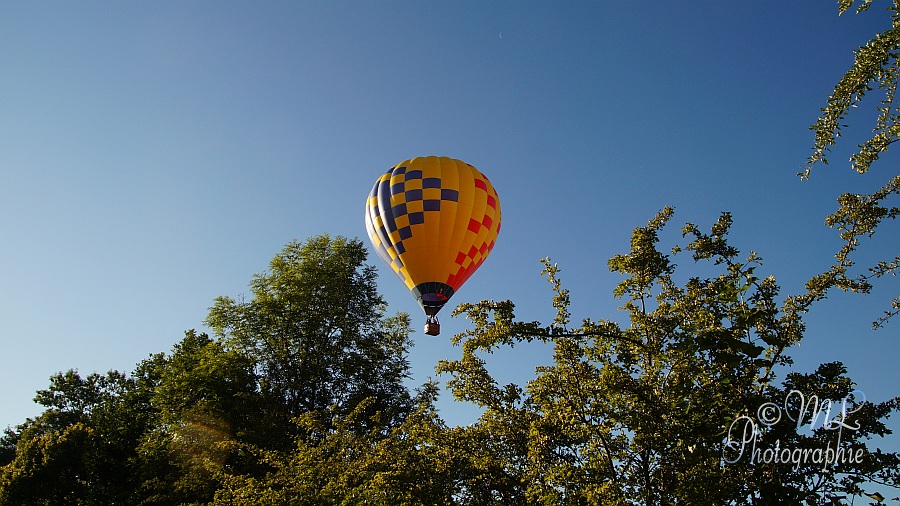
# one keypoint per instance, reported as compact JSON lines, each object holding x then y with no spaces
{"x":433,"y":220}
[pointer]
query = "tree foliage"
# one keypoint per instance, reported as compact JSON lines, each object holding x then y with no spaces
{"x":319,"y":301}
{"x":313,"y":342}
{"x":299,"y":399}
{"x":641,"y":414}
{"x":875,"y":69}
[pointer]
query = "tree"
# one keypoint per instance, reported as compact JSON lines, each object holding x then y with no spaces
{"x":8,"y":442}
{"x":644,"y":414}
{"x":312,"y":345}
{"x":660,"y":411}
{"x":299,"y":400}
{"x":82,"y":449}
{"x":52,"y":468}
{"x":858,"y":216}
{"x":316,"y":333}
{"x":342,"y":463}
{"x":206,"y":399}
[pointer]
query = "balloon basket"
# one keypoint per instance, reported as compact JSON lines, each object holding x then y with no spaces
{"x":432,"y":327}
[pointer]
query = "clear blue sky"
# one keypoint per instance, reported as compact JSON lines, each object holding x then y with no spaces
{"x":155,"y":155}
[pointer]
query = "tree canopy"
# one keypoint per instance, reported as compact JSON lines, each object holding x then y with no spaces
{"x":875,"y":69}
{"x":298,"y":398}
{"x":313,"y":339}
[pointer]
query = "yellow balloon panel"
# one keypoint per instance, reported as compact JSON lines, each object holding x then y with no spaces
{"x":433,"y":220}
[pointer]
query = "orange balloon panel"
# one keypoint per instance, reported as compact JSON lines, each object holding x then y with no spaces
{"x":433,"y":220}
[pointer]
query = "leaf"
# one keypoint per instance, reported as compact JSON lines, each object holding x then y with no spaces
{"x":875,"y":495}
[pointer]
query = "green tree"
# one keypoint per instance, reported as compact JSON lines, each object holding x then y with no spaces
{"x":138,"y":439}
{"x":51,"y":468}
{"x":351,"y":460}
{"x":312,"y":346}
{"x":641,"y":414}
{"x":206,"y":399}
{"x":8,"y":442}
{"x":82,"y":449}
{"x":316,"y":333}
{"x":858,"y":216}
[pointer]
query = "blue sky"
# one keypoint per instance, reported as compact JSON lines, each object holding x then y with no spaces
{"x":155,"y":155}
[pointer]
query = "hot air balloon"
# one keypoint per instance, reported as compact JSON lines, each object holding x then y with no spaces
{"x":434,"y":221}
